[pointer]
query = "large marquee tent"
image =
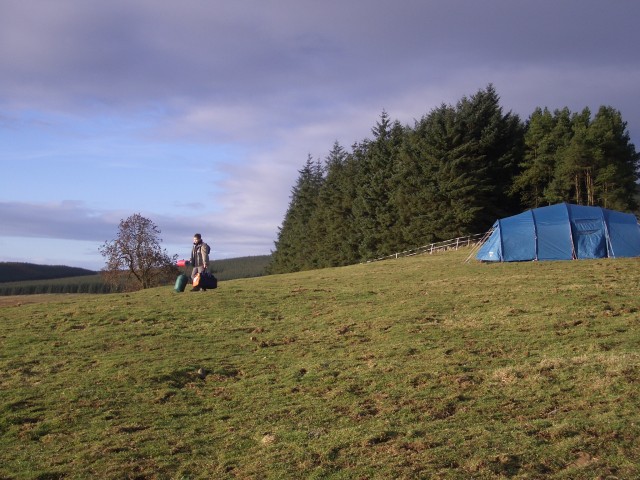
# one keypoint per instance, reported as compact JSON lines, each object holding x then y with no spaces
{"x":562,"y":232}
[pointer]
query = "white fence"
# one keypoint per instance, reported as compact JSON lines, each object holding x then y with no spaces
{"x":444,"y":245}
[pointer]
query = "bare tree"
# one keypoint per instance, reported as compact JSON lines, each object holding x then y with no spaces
{"x":135,"y":258}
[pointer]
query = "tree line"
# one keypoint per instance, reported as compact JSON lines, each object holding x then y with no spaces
{"x":82,"y":284}
{"x":453,"y":173}
{"x":18,"y":271}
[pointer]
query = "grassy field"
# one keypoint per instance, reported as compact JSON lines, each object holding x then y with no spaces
{"x":422,"y":367}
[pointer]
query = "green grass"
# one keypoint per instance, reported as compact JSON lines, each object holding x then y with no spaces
{"x":422,"y":367}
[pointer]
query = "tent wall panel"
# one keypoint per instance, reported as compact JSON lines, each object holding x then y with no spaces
{"x":519,"y":243}
{"x":553,"y":233}
{"x":623,"y":234}
{"x":588,"y":230}
{"x":491,"y":249}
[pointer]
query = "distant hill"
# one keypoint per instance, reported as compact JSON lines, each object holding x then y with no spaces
{"x":226,"y":269}
{"x":17,"y":272}
{"x":240,"y":267}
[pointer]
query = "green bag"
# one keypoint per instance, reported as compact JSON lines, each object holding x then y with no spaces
{"x":181,"y":283}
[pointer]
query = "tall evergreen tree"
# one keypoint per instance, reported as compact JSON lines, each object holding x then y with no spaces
{"x":539,"y":160}
{"x":415,"y":195}
{"x":477,"y":149}
{"x":559,"y":140}
{"x":374,"y":217}
{"x":492,"y":153}
{"x":295,"y":247}
{"x":574,"y":166}
{"x":595,"y":163}
{"x":616,"y":161}
{"x":439,"y":141}
{"x":332,"y":221}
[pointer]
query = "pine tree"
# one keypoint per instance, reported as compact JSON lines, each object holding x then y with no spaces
{"x":574,"y":166}
{"x":374,"y":215}
{"x":296,"y":245}
{"x":491,"y":152}
{"x":572,"y":158}
{"x":616,"y":161}
{"x":477,"y":149}
{"x":333,"y":219}
{"x":538,"y":166}
{"x":415,"y":195}
{"x":439,"y":137}
{"x":559,"y":140}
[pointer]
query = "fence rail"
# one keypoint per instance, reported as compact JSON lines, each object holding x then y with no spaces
{"x":444,"y":245}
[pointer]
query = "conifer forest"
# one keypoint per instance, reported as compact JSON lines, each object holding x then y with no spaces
{"x":453,"y":173}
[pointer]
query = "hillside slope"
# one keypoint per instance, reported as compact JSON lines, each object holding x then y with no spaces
{"x":422,"y":367}
{"x":18,"y":271}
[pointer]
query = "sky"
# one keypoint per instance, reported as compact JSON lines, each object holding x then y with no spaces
{"x":199,"y":114}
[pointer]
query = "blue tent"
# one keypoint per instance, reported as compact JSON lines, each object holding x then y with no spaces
{"x":562,"y":232}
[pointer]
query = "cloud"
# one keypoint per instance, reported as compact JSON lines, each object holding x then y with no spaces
{"x":131,"y":54}
{"x":239,"y":72}
{"x":200,"y":114}
{"x":63,"y":220}
{"x":73,"y":220}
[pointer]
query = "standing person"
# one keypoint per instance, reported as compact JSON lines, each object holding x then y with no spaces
{"x":199,"y":257}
